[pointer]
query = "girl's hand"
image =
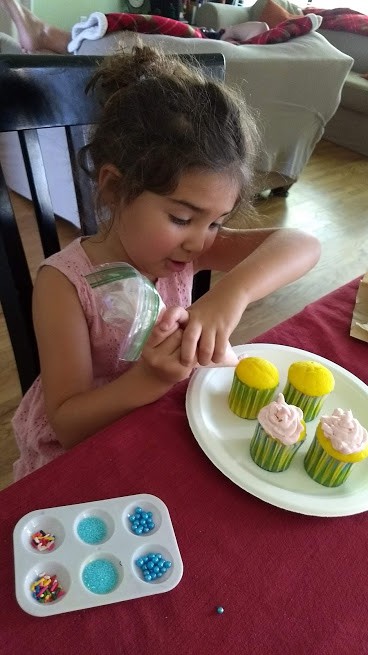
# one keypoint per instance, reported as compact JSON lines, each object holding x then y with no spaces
{"x":256,"y":262}
{"x":175,"y":317}
{"x":212,"y":319}
{"x":160,"y":357}
{"x":171,"y":318}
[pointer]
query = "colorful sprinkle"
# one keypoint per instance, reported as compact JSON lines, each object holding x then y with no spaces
{"x":153,"y":566}
{"x":92,"y":530}
{"x":43,"y":540}
{"x":141,"y":522}
{"x":100,"y":576}
{"x":46,"y":588}
{"x":220,"y":610}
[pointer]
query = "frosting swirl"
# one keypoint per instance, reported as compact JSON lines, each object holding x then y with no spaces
{"x":345,"y":432}
{"x":282,"y":421}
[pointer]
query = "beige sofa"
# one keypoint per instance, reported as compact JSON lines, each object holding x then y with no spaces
{"x":349,"y":125}
{"x":294,"y":87}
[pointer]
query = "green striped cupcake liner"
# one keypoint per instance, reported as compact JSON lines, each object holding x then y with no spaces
{"x":269,"y":453}
{"x":311,"y":405}
{"x":245,"y":401}
{"x":323,"y":468}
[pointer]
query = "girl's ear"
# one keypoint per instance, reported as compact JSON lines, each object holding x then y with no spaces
{"x":109,"y":184}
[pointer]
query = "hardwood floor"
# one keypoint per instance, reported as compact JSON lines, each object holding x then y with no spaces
{"x":330,"y":200}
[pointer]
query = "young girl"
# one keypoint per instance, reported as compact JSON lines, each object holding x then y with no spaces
{"x":172,"y":157}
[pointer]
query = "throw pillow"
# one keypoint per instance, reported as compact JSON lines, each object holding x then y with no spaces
{"x":273,"y":14}
{"x":289,"y":29}
{"x":291,"y":7}
{"x":151,"y":24}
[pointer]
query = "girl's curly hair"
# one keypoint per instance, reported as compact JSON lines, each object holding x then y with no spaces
{"x":161,"y":117}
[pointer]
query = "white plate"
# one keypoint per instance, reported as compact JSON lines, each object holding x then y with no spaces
{"x":120,"y":546}
{"x":225,"y":437}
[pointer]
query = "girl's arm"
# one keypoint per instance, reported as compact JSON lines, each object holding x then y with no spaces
{"x":74,"y":408}
{"x":232,"y":247}
{"x":257,"y":263}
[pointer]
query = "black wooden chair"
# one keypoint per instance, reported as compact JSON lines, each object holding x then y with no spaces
{"x":38,"y":92}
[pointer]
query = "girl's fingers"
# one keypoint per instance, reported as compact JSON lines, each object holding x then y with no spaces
{"x":173,"y":317}
{"x":206,"y":348}
{"x":171,"y":349}
{"x":157,"y":336}
{"x":166,"y":354}
{"x":167,"y":341}
{"x":191,"y":337}
{"x":230,"y":358}
{"x":219,"y":351}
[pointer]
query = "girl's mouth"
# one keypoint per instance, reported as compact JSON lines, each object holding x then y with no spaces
{"x":174,"y":266}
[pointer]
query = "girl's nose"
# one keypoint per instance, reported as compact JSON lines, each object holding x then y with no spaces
{"x":195,"y":241}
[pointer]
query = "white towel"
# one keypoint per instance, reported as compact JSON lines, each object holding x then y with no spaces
{"x":92,"y":28}
{"x":243,"y":31}
{"x":315,"y":20}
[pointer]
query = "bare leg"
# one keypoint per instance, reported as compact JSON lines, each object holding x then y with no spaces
{"x":33,"y":33}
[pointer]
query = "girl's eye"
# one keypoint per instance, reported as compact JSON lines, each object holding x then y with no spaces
{"x":186,"y":221}
{"x":179,"y":221}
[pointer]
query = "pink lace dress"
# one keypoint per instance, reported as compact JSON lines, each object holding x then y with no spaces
{"x":35,"y":438}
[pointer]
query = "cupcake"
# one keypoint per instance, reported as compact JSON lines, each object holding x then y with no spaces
{"x":254,"y":384}
{"x":279,"y":434}
{"x":340,"y":441}
{"x":308,"y":385}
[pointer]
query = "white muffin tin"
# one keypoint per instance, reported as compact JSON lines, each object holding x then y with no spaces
{"x":70,"y":554}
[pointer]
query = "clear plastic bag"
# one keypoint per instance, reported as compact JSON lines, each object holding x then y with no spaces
{"x":128,"y":301}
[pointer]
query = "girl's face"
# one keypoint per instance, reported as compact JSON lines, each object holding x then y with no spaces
{"x":159,"y":235}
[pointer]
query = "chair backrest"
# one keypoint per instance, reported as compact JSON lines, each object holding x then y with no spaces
{"x":38,"y":92}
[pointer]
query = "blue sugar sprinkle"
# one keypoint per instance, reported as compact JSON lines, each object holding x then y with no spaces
{"x":92,"y":530}
{"x":100,"y":576}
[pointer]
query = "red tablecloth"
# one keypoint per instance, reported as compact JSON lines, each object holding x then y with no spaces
{"x":323,"y":327}
{"x":288,"y":583}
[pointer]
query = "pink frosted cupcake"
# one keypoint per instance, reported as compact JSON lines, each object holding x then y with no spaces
{"x":279,"y":434}
{"x":339,"y":443}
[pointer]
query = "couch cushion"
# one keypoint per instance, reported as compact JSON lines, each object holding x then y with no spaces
{"x":8,"y":45}
{"x":215,"y":15}
{"x":355,"y":45}
{"x":354,"y":94}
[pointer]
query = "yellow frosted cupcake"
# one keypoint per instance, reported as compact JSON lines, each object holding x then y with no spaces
{"x":254,"y":384}
{"x":340,"y":441}
{"x":278,"y":436}
{"x":308,"y":384}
